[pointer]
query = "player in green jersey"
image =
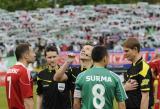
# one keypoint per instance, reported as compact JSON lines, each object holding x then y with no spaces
{"x":97,"y":87}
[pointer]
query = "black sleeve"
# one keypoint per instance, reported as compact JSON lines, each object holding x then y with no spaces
{"x":70,"y":79}
{"x":126,"y":76}
{"x":146,"y":81}
{"x":39,"y":87}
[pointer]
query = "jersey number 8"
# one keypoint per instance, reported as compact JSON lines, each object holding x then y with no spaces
{"x":98,"y":91}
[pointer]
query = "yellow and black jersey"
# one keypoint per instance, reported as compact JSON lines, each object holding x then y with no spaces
{"x":56,"y":95}
{"x":141,"y":72}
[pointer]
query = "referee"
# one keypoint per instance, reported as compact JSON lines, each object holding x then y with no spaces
{"x":50,"y":93}
{"x":142,"y":96}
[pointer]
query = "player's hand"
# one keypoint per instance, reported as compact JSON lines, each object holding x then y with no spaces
{"x":71,"y":58}
{"x":131,"y":85}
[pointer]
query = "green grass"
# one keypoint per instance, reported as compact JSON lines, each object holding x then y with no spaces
{"x":3,"y":101}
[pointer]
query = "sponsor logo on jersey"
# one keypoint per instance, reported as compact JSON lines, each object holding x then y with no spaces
{"x":15,"y":71}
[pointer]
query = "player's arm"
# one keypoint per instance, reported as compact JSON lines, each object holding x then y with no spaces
{"x":26,"y":89}
{"x":120,"y":94}
{"x":153,"y":73}
{"x":39,"y":101}
{"x":145,"y":86}
{"x":77,"y":98}
{"x":39,"y":93}
{"x":28,"y":103}
{"x":121,"y":105}
{"x":60,"y":74}
{"x":144,"y":100}
{"x":153,"y":69}
{"x":77,"y":103}
{"x":158,"y":94}
{"x":77,"y":93}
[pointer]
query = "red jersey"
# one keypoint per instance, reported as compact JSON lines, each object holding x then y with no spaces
{"x":155,"y":65}
{"x":19,"y":85}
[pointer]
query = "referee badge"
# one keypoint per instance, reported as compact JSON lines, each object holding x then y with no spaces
{"x":61,"y":86}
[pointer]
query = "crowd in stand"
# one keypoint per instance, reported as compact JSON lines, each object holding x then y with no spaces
{"x":71,"y":27}
{"x":78,"y":24}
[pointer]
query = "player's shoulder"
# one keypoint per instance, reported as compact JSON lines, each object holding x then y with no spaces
{"x":154,"y":63}
{"x":114,"y":75}
{"x":157,"y":61}
{"x":85,"y":73}
{"x":145,"y":63}
{"x":17,"y":66}
{"x":143,"y":66}
{"x":42,"y":73}
{"x":81,"y":75}
{"x":145,"y":69}
{"x":21,"y":68}
{"x":15,"y":69}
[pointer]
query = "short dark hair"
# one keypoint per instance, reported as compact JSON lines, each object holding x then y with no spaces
{"x":132,"y":43}
{"x":98,"y":53}
{"x":21,"y":49}
{"x":50,"y":48}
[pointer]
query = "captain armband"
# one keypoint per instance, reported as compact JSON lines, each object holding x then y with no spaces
{"x":77,"y":93}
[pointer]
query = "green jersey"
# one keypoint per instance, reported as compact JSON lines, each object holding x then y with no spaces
{"x":97,"y":87}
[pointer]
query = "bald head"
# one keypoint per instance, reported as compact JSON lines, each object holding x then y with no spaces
{"x":85,"y":53}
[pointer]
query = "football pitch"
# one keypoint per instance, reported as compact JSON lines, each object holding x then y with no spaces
{"x":3,"y":101}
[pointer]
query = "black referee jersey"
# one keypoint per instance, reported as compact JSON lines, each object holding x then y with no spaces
{"x":56,"y":95}
{"x":141,"y":72}
{"x":75,"y":71}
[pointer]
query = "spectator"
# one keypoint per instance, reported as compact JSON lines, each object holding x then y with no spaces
{"x":3,"y":67}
